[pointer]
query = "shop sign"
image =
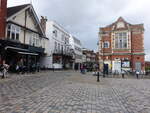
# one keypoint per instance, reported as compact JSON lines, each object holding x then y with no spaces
{"x":125,"y":64}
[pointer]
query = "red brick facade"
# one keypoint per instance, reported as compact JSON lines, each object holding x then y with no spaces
{"x":3,"y":17}
{"x":125,"y":43}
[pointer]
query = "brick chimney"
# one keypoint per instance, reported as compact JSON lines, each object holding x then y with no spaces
{"x":3,"y":18}
{"x":43,"y":23}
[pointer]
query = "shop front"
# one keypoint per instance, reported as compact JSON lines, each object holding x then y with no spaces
{"x":14,"y":52}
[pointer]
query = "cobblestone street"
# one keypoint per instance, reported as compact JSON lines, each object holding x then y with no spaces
{"x":70,"y":92}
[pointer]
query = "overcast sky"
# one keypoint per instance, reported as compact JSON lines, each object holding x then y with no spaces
{"x":82,"y":18}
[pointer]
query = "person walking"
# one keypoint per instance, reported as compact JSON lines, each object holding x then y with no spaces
{"x":38,"y":67}
{"x":5,"y":69}
{"x":123,"y":73}
{"x":137,"y":74}
{"x":53,"y":67}
{"x":81,"y":68}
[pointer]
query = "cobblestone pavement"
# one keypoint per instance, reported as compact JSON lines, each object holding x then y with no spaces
{"x":70,"y":92}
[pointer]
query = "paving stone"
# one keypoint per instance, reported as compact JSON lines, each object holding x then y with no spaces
{"x":70,"y":92}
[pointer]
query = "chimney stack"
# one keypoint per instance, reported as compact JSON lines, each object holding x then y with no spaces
{"x":43,"y":23}
{"x":3,"y":18}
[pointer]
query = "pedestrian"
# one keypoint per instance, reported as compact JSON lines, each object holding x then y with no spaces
{"x":53,"y":67}
{"x":20,"y":64}
{"x":123,"y":73}
{"x":17,"y":68}
{"x":38,"y":67}
{"x":5,"y":69}
{"x":81,"y":68}
{"x":137,"y":74}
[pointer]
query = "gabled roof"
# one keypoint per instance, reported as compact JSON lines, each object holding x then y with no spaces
{"x":13,"y":10}
{"x":120,"y":19}
{"x":127,"y":25}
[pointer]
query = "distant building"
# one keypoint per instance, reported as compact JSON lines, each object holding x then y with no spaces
{"x":60,"y":53}
{"x":24,"y":37}
{"x":77,"y":48}
{"x":91,"y":59}
{"x":147,"y":65}
{"x":121,"y":46}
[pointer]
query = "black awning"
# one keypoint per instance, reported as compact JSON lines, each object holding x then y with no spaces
{"x":16,"y":48}
{"x":36,"y":49}
{"x":20,"y":50}
{"x":27,"y":53}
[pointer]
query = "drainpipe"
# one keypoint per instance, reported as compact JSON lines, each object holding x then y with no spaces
{"x":131,"y":52}
{"x":25,"y":24}
{"x":24,"y":40}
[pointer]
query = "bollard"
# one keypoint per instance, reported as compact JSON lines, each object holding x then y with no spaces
{"x":137,"y":76}
{"x":122,"y":75}
{"x":98,"y":77}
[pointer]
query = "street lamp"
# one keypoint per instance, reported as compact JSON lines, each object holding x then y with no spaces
{"x":103,"y":57}
{"x":102,"y":50}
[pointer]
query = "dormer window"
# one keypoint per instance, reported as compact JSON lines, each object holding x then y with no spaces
{"x":120,"y":25}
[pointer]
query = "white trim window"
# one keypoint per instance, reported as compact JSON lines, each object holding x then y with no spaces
{"x":55,"y":46}
{"x":13,"y":32}
{"x":121,"y":40}
{"x":62,"y":47}
{"x":63,"y":37}
{"x":34,"y":40}
{"x":55,"y":33}
{"x":106,"y":44}
{"x":59,"y":47}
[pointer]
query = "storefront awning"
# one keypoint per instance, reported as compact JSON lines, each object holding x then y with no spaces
{"x":15,"y":48}
{"x":26,"y":53}
{"x":20,"y":50}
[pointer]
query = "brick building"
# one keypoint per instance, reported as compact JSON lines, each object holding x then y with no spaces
{"x":3,"y":17}
{"x":121,"y":47}
{"x":90,"y":59}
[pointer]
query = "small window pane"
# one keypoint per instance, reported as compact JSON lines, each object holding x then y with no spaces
{"x":17,"y":36}
{"x":9,"y":26}
{"x":8,"y":34}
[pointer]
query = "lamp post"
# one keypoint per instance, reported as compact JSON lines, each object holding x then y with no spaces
{"x":103,"y":58}
{"x":98,"y":74}
{"x":102,"y":50}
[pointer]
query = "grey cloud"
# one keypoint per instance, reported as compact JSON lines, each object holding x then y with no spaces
{"x":83,"y":18}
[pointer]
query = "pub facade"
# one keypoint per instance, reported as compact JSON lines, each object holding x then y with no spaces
{"x":21,"y":35}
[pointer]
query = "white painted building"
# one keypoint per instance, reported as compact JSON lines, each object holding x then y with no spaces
{"x":77,"y":47}
{"x":59,"y":50}
{"x":24,"y":38}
